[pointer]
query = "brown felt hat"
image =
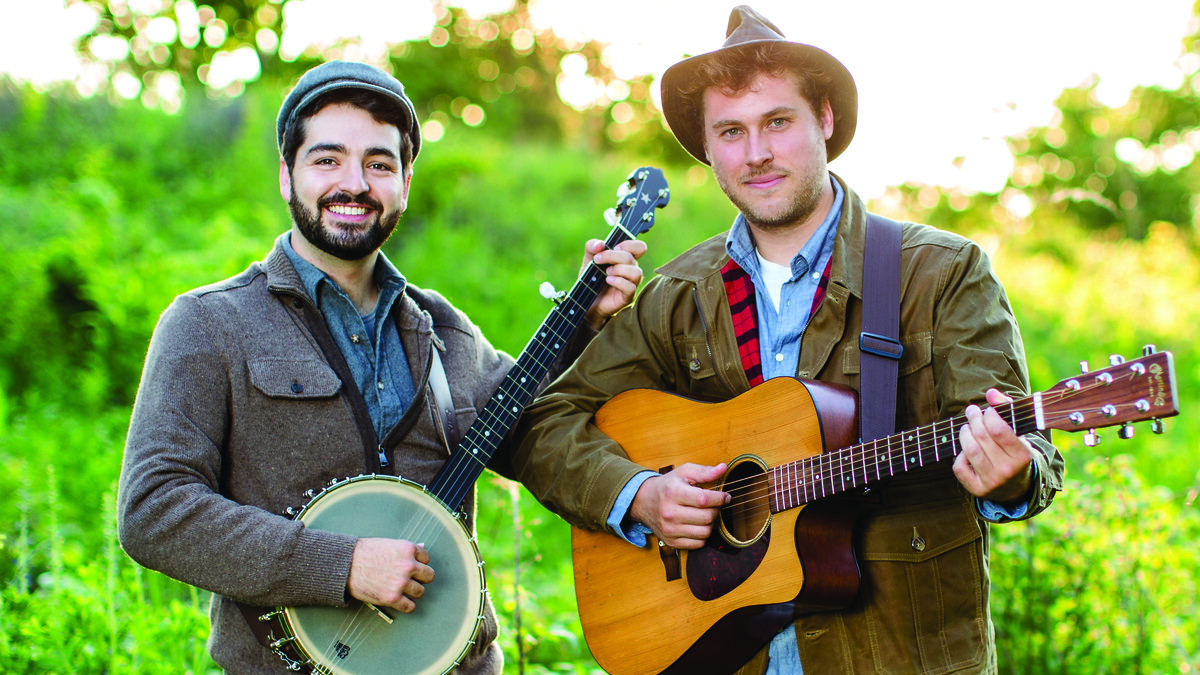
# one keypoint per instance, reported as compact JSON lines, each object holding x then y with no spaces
{"x":748,"y":27}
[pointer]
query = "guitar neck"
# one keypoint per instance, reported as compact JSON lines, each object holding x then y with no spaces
{"x":1126,"y":392}
{"x":858,"y":466}
{"x":458,"y":475}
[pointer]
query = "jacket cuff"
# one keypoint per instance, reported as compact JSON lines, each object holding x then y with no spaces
{"x":323,"y":573}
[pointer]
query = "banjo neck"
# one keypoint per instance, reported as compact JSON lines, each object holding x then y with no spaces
{"x":644,"y":191}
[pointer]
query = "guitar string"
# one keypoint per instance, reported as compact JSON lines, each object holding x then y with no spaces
{"x":1020,"y":412}
{"x":562,"y":330}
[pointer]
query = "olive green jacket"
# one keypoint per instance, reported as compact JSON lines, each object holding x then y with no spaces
{"x":919,"y":611}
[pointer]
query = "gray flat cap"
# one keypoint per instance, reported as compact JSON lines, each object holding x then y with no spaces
{"x":345,"y":75}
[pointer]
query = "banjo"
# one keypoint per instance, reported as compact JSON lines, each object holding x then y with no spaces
{"x":362,"y":639}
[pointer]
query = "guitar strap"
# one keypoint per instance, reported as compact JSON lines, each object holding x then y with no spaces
{"x":879,"y":343}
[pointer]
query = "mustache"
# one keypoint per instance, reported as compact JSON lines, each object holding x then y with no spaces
{"x":347,"y":198}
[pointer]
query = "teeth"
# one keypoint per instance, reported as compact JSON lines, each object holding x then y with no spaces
{"x":348,"y":209}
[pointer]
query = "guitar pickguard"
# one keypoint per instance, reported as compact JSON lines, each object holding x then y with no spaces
{"x":719,"y":567}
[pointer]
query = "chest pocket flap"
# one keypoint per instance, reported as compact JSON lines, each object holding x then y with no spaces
{"x":293,"y":378}
{"x":918,"y":533}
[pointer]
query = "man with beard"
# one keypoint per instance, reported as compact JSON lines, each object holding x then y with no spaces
{"x":320,"y":363}
{"x":781,"y":294}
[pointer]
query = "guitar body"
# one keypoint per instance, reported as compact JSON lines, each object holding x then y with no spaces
{"x":628,"y":596}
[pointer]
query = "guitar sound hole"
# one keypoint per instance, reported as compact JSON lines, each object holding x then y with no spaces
{"x":746,"y":517}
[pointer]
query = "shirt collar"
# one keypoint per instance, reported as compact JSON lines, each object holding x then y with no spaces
{"x":740,"y":243}
{"x":391,"y":283}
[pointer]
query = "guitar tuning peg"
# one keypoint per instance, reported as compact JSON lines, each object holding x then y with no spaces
{"x":624,"y":189}
{"x":1091,"y":439}
{"x":610,"y":217}
{"x":1083,"y":366}
{"x":1115,"y":359}
{"x":1148,"y":350}
{"x":1125,"y":432}
{"x":1157,"y":426}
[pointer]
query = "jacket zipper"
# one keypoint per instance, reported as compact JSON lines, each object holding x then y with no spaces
{"x":708,"y":339}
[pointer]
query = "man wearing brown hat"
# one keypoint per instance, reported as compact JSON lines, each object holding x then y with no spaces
{"x":319,"y":363}
{"x":781,"y":294}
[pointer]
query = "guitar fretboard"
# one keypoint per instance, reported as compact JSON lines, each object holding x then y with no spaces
{"x":858,"y":466}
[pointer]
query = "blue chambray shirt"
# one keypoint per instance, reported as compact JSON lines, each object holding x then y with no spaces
{"x":370,"y":344}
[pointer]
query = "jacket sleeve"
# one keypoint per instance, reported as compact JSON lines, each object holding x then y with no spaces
{"x":568,"y":464}
{"x":977,"y":346}
{"x":171,"y":514}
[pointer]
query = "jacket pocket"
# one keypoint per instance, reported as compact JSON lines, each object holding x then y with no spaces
{"x":293,"y":378}
{"x":694,"y":357}
{"x":926,"y":589}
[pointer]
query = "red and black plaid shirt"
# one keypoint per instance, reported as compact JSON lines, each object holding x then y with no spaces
{"x":744,"y":308}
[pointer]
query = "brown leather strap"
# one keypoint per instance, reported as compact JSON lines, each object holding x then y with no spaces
{"x":879,"y":343}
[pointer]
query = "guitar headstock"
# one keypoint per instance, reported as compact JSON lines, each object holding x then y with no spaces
{"x":1124,"y":392}
{"x":642,"y":192}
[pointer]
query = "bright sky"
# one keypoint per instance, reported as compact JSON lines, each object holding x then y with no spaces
{"x":937,"y":79}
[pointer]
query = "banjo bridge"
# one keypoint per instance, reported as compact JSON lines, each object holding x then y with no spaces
{"x":382,"y":614}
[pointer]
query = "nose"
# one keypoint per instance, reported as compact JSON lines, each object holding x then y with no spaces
{"x":758,"y":149}
{"x":353,"y":179}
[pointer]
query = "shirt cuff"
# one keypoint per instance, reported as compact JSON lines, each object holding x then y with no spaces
{"x":635,"y":532}
{"x":998,"y":513}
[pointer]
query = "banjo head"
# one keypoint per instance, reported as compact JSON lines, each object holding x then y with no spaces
{"x":357,"y":640}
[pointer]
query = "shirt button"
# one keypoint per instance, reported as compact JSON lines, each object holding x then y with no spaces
{"x":779,"y":358}
{"x":355,"y":338}
{"x":380,"y":385}
{"x":816,"y":277}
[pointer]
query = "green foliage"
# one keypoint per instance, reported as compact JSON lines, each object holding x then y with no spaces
{"x":129,"y":207}
{"x":1103,"y":583}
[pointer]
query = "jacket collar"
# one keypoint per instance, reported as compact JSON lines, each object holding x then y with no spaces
{"x":850,"y":245}
{"x":282,"y":277}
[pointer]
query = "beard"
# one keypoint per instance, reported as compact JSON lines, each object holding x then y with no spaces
{"x":796,"y":206}
{"x":345,"y":242}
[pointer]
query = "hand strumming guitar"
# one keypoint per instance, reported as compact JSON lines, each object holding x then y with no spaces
{"x":679,"y":511}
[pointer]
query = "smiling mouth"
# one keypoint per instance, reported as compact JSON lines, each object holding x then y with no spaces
{"x":348,"y":209}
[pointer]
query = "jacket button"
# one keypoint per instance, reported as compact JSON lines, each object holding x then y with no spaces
{"x":918,"y":544}
{"x":694,"y":365}
{"x":297,"y":388}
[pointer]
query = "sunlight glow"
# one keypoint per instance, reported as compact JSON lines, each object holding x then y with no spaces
{"x":936,"y":109}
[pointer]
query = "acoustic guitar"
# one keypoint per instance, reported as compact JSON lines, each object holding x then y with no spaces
{"x":789,"y":446}
{"x":363,"y":639}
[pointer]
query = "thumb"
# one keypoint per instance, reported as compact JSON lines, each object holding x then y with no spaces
{"x":697,"y":473}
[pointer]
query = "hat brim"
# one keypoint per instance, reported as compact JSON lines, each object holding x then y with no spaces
{"x":842,"y":94}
